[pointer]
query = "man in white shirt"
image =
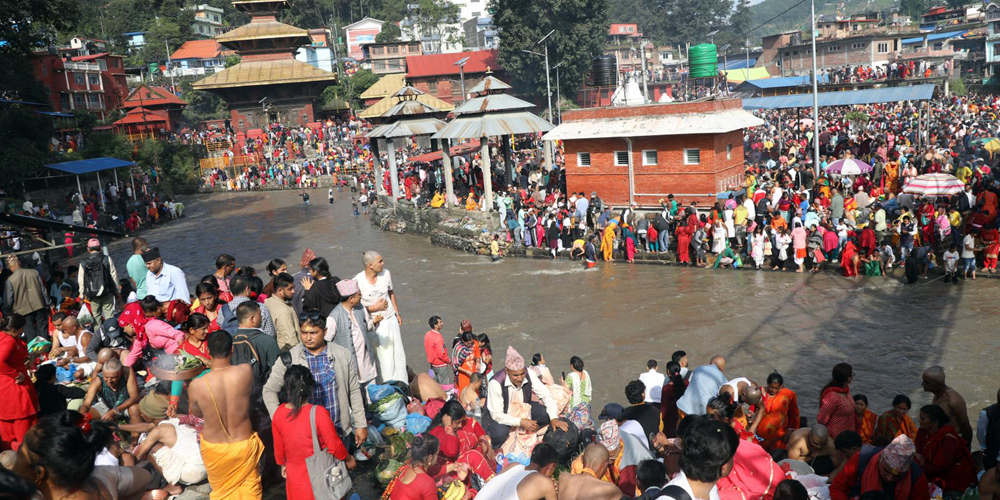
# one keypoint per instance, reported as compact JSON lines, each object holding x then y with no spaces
{"x":163,"y":281}
{"x":653,"y":381}
{"x":707,"y":457}
{"x":510,"y":386}
{"x":969,"y":254}
{"x":378,"y":296}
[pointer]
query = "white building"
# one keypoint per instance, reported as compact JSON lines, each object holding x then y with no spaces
{"x":207,"y":21}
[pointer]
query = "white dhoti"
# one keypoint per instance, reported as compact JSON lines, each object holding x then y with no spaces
{"x":181,"y":464}
{"x":389,"y":351}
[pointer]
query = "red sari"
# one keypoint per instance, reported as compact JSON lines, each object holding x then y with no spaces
{"x":463,"y":447}
{"x":683,"y":244}
{"x":947,"y":461}
{"x":20,"y":408}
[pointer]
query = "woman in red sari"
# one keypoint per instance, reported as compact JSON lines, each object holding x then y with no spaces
{"x":683,"y":243}
{"x":781,"y":413}
{"x":464,"y":444}
{"x":895,"y":422}
{"x":850,"y":260}
{"x":943,"y":454}
{"x":195,"y":334}
{"x":209,"y":305}
{"x":836,"y":407}
{"x":20,"y":408}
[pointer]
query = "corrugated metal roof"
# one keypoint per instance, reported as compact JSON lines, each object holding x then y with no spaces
{"x":864,"y":96}
{"x":656,"y":125}
{"x":385,"y":86}
{"x":737,"y":63}
{"x":493,"y":124}
{"x":492,"y":103}
{"x":444,"y":64}
{"x":777,"y":83}
{"x":376,"y":110}
{"x":935,"y":36}
{"x":407,"y":128}
{"x":409,"y":108}
{"x":489,"y":83}
{"x":251,"y":73}
{"x":87,"y":166}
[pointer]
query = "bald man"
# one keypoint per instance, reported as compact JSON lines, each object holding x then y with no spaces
{"x":704,"y":385}
{"x":808,"y":444}
{"x":70,"y":346}
{"x":949,"y":400}
{"x":747,"y":393}
{"x":586,"y":485}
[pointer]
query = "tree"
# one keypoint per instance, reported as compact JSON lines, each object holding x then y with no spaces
{"x":739,"y":24}
{"x":31,"y":25}
{"x":159,"y":34}
{"x":692,"y":20}
{"x":390,"y":33}
{"x":436,"y":20}
{"x":232,"y":60}
{"x":581,"y":28}
{"x":913,"y":8}
{"x":351,"y":87}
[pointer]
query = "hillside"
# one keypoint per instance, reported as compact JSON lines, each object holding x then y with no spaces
{"x":798,"y":17}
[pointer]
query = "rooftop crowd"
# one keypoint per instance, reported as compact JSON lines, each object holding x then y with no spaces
{"x":297,"y":378}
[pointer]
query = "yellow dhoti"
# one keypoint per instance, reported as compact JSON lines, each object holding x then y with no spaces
{"x":232,"y":468}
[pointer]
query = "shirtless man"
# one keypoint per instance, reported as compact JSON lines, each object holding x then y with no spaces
{"x":587,"y":486}
{"x":75,"y":353}
{"x":989,"y":484}
{"x":525,"y":483}
{"x":170,"y":447}
{"x":229,"y":446}
{"x":808,"y":444}
{"x":949,"y":400}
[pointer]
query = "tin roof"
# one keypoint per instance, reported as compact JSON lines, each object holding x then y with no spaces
{"x":492,"y":103}
{"x":251,"y":73}
{"x":717,"y":122}
{"x":200,"y":49}
{"x":493,"y":124}
{"x":377,"y":109}
{"x":149,"y":95}
{"x":444,"y":64}
{"x":407,"y":128}
{"x":409,"y":108}
{"x":261,"y":30}
{"x":488,"y":84}
{"x":385,"y":86}
{"x":847,"y":98}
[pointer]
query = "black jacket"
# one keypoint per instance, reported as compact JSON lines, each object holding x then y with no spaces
{"x":322,"y":297}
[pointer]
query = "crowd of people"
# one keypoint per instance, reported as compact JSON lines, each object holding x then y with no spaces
{"x":243,"y":384}
{"x":896,"y":70}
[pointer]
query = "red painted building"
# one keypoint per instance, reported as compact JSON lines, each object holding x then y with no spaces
{"x":157,"y":100}
{"x":643,"y":153}
{"x":95,"y":82}
{"x":437,"y":75}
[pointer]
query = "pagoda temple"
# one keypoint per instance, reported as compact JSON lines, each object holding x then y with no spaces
{"x":268,"y":85}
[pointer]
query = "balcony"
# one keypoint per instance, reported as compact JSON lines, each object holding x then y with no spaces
{"x":993,"y":15}
{"x":80,"y":66}
{"x":178,"y":72}
{"x":992,"y":37}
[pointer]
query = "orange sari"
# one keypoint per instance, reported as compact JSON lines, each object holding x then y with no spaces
{"x":868,"y":426}
{"x":889,"y":425}
{"x":781,"y":413}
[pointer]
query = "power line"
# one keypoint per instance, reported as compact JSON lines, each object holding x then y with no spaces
{"x":773,"y":18}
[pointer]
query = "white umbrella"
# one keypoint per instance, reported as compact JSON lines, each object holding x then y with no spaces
{"x":849,"y":166}
{"x":934,"y":185}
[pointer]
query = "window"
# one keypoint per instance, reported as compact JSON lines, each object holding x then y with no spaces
{"x":101,"y":63}
{"x":78,"y":78}
{"x":883,"y":48}
{"x":833,"y":48}
{"x":432,"y":87}
{"x":377,"y":51}
{"x":79,"y":101}
{"x":795,"y":52}
{"x":93,"y":79}
{"x":996,"y":50}
{"x":692,"y":157}
{"x":938,"y":45}
{"x":729,"y":151}
{"x":475,"y":14}
{"x":216,"y":17}
{"x":621,"y":158}
{"x":48,"y":90}
{"x":95,"y":100}
{"x":583,"y":159}
{"x":414,"y":47}
{"x":64,"y":101}
{"x":858,"y":45}
{"x":201,"y":29}
{"x":393,"y":49}
{"x":118,"y":63}
{"x":649,"y":157}
{"x":788,"y":54}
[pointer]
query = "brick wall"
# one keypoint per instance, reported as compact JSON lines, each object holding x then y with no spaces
{"x":846,"y":52}
{"x":669,"y":176}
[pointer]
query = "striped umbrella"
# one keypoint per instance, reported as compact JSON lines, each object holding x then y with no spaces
{"x":934,"y":185}
{"x":849,"y":166}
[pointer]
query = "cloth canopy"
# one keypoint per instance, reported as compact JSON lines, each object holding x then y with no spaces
{"x":79,"y":167}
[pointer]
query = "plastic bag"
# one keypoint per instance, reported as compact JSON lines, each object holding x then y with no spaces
{"x":417,"y":423}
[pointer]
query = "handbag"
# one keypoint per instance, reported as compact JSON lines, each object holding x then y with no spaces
{"x":327,"y":475}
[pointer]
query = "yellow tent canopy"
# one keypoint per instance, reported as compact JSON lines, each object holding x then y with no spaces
{"x":740,"y":75}
{"x":382,"y":106}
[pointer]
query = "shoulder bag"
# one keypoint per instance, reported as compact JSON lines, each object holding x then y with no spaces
{"x":327,"y":475}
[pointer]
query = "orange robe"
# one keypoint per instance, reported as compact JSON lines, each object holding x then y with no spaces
{"x":781,"y":413}
{"x":868,"y":426}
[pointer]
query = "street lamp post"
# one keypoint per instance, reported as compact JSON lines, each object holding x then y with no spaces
{"x":558,"y":98}
{"x":548,"y":89}
{"x":461,"y":71}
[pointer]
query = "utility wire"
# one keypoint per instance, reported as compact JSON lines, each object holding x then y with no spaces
{"x":773,"y":18}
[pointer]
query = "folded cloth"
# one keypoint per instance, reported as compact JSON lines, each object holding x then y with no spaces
{"x":232,"y":468}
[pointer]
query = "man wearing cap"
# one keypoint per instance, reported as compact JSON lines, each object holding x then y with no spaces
{"x":307,"y":256}
{"x":891,"y":470}
{"x":98,"y":281}
{"x":511,"y":385}
{"x":164,"y":281}
{"x":351,"y":326}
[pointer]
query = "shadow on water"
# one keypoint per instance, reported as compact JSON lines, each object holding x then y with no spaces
{"x":618,"y":316}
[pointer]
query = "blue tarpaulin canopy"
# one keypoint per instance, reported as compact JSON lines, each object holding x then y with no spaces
{"x":934,"y":37}
{"x":88,"y":166}
{"x":865,"y":96}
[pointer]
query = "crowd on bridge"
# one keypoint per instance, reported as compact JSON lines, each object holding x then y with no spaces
{"x":249,"y":380}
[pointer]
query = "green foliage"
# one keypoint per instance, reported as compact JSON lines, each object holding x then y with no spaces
{"x":232,"y":60}
{"x":957,"y":86}
{"x":739,"y":24}
{"x":390,"y":33}
{"x":351,"y":87}
{"x":580,"y":26}
{"x":913,"y":8}
{"x":30,"y":25}
{"x":85,"y":121}
{"x":436,"y":18}
{"x":202,"y":105}
{"x":106,"y":144}
{"x":161,"y":33}
{"x":857,"y":118}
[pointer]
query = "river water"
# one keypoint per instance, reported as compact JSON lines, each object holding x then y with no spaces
{"x":618,"y":316}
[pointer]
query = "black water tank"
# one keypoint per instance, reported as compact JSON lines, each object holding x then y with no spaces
{"x":605,"y":71}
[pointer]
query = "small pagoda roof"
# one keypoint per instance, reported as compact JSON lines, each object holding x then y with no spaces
{"x":492,"y":103}
{"x":379,"y":108}
{"x":488,"y":84}
{"x":492,"y":124}
{"x":407,"y":128}
{"x":256,"y":73}
{"x":140,"y":115}
{"x":385,"y":86}
{"x":259,"y":30}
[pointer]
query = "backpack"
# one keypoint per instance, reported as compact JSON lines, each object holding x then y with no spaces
{"x":567,"y":443}
{"x":228,"y":321}
{"x":96,"y":277}
{"x":245,"y":352}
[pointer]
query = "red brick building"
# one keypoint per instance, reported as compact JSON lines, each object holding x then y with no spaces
{"x":643,"y":153}
{"x":95,"y":82}
{"x":437,"y":75}
{"x":153,"y":101}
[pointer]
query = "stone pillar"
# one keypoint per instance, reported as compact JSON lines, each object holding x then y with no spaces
{"x":548,"y":154}
{"x":487,"y":175}
{"x":379,"y":170}
{"x":393,"y":171}
{"x":449,"y":183}
{"x":507,"y":160}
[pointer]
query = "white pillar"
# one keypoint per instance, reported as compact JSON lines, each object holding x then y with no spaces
{"x":80,"y":189}
{"x":393,"y":175}
{"x":100,"y":192}
{"x":548,"y":154}
{"x":449,"y":184}
{"x":487,"y":174}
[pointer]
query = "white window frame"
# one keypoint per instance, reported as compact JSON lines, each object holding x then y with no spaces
{"x":687,"y":152}
{"x":101,"y":63}
{"x":580,"y":159}
{"x":619,"y":163}
{"x":729,"y":151}
{"x":879,"y":48}
{"x":645,"y":159}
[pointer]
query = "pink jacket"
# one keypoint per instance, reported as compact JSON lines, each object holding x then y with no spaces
{"x":159,"y":335}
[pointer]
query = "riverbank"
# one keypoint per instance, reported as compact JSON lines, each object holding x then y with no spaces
{"x":472,"y":232}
